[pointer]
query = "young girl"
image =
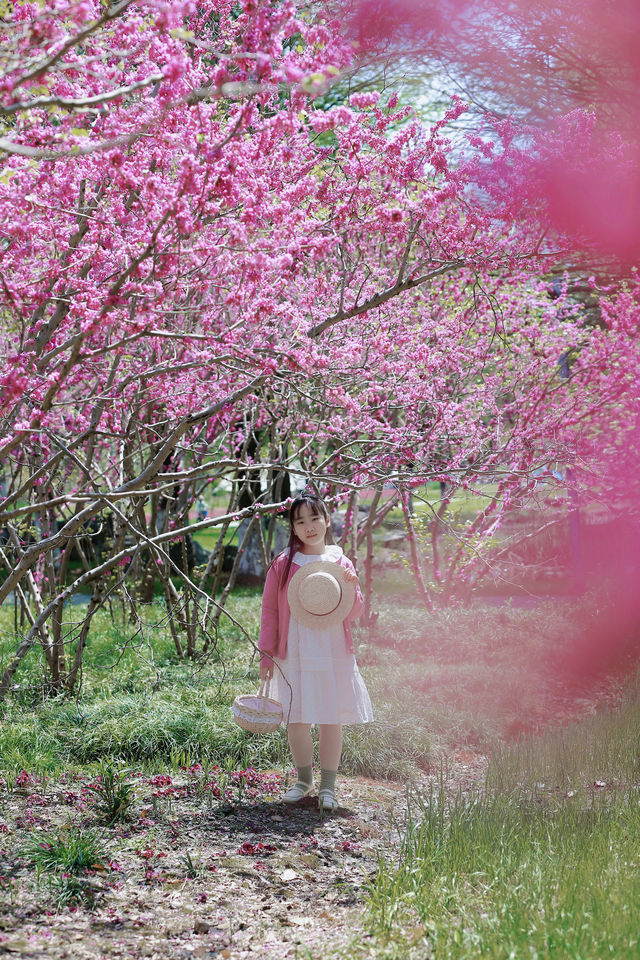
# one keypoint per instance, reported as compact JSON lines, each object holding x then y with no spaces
{"x":316,"y":676}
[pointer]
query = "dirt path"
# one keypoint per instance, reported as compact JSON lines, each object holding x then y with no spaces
{"x":191,"y":875}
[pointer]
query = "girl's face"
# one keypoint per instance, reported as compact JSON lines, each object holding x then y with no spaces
{"x":309,"y":527}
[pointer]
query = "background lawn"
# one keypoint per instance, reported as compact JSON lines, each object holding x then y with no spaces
{"x":460,"y":676}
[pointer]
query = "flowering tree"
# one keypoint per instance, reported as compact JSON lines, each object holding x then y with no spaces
{"x":206,"y":276}
{"x":541,"y":62}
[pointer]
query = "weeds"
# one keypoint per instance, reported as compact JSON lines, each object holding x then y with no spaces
{"x":68,"y":890}
{"x":194,"y":869}
{"x":459,"y":676}
{"x":542,"y":862}
{"x":68,"y":851}
{"x":604,"y":747}
{"x":65,"y":861}
{"x":115,"y":794}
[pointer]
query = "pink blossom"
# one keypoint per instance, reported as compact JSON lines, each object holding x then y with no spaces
{"x":174,"y":69}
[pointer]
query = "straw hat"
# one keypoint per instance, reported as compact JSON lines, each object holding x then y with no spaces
{"x":318,"y":594}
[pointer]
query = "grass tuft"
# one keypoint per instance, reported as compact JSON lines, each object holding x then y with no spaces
{"x":71,"y":851}
{"x":115,"y":794}
{"x":65,"y":862}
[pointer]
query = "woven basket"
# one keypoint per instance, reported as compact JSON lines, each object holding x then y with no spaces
{"x":258,"y":713}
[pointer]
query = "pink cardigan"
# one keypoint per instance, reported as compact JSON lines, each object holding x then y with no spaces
{"x":274,"y":626}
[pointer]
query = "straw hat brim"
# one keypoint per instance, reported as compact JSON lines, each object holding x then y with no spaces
{"x":338,"y":611}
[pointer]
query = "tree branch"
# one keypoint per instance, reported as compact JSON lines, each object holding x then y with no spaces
{"x":380,"y":298}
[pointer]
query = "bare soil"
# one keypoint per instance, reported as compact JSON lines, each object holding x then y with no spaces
{"x":204,"y":871}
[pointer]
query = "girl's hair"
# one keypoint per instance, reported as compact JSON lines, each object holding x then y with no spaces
{"x":317,"y":507}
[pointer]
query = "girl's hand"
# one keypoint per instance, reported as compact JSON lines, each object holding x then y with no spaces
{"x":266,"y":671}
{"x":350,"y":576}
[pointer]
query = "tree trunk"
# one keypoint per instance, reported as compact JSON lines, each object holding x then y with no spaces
{"x":416,"y":566}
{"x":369,"y":618}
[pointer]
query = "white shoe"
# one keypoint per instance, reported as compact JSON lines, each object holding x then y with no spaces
{"x":327,"y":801}
{"x":296,"y":793}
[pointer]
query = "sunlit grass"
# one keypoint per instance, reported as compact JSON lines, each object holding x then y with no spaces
{"x":64,"y":861}
{"x":466,"y":676}
{"x":525,"y":867}
{"x":540,"y":861}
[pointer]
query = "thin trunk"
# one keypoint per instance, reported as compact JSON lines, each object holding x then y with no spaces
{"x":189,"y":626}
{"x":416,"y":567}
{"x":232,"y":576}
{"x":369,"y":618}
{"x":216,"y":559}
{"x":381,"y":515}
{"x":436,"y":529}
{"x":94,"y":605}
{"x":44,"y":635}
{"x":169,"y":600}
{"x":350,"y":520}
{"x":353,"y":547}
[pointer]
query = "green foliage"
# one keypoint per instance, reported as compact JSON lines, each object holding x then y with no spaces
{"x":492,"y":876}
{"x":604,"y":748}
{"x":457,"y":676}
{"x":64,"y":862}
{"x":388,"y":749}
{"x":541,"y":862}
{"x":71,"y":851}
{"x":194,"y":868}
{"x":70,"y":891}
{"x":115,"y":794}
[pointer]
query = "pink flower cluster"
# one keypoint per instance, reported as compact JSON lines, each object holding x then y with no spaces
{"x":200,"y":248}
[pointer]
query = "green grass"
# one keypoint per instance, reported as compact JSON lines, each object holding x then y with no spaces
{"x":603,"y":748}
{"x":456,"y":677}
{"x":67,"y":851}
{"x":64,"y":862}
{"x":115,"y":794}
{"x":139,"y":703}
{"x":208,"y":537}
{"x":525,"y":867}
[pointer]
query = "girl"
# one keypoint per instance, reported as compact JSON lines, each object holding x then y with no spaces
{"x":317,"y":679}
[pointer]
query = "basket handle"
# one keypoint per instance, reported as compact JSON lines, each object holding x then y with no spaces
{"x":263,"y":692}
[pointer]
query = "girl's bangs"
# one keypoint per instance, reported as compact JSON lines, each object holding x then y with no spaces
{"x":313,"y":505}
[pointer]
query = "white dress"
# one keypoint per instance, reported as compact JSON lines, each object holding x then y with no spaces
{"x":320,"y":681}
